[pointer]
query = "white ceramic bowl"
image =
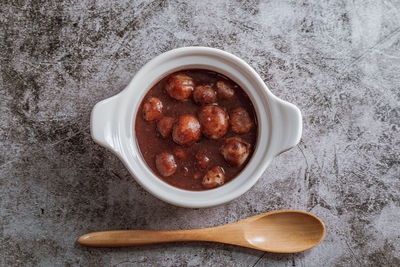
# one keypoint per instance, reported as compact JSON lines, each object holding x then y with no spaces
{"x":113,"y":121}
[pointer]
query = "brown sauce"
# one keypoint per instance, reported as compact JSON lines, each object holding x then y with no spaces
{"x":188,"y":174}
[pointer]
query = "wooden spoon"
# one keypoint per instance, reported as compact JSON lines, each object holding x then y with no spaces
{"x":285,"y":231}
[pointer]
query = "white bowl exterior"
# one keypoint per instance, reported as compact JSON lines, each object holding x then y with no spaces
{"x":113,"y":123}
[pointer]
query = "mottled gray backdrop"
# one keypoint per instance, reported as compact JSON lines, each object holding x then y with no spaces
{"x":339,"y":61}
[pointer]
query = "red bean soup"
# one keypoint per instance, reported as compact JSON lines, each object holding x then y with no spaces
{"x":196,"y":129}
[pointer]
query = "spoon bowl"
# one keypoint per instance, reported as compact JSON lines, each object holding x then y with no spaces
{"x":285,"y":231}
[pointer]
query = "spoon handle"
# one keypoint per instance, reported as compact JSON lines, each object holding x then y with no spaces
{"x":123,"y":238}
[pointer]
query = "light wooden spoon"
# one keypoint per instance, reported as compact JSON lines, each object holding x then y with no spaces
{"x":285,"y":231}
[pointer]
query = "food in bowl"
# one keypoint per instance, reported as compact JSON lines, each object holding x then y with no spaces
{"x":196,"y":129}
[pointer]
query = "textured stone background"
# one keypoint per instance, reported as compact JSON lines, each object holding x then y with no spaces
{"x":339,"y":61}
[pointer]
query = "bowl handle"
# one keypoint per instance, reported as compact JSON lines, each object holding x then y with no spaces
{"x":104,"y":125}
{"x":289,"y":133}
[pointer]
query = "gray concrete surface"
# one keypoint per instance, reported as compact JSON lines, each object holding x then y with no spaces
{"x":339,"y":61}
